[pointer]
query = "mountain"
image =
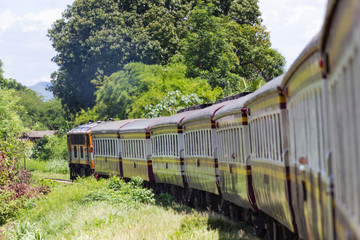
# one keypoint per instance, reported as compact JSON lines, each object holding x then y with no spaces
{"x":40,"y":87}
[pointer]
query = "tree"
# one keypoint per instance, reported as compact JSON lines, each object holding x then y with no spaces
{"x":127,"y":93}
{"x":232,"y":53}
{"x":171,"y":103}
{"x":96,"y":38}
{"x":11,"y":126}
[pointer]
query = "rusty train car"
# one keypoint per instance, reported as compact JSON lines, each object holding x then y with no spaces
{"x":283,"y":157}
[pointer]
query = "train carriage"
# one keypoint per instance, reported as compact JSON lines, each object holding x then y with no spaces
{"x":167,"y":150}
{"x":309,"y":171}
{"x":80,"y":149}
{"x":234,"y":156}
{"x":107,"y":148}
{"x":340,"y":46}
{"x":201,"y":164}
{"x":136,"y":145}
{"x":269,"y":167}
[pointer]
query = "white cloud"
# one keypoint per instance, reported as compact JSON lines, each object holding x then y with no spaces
{"x":7,"y":20}
{"x":33,"y":21}
{"x":40,"y":21}
{"x":292,"y":24}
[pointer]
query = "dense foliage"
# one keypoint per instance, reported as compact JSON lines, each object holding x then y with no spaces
{"x":131,"y":93}
{"x":221,"y":42}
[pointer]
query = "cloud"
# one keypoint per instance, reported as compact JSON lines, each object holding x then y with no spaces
{"x":33,"y":21}
{"x":292,"y":24}
{"x":40,"y":21}
{"x":7,"y":20}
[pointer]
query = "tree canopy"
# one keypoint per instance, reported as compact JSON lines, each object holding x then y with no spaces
{"x":96,"y":38}
{"x":133,"y":92}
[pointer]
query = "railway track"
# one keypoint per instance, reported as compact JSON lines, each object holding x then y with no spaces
{"x":67,"y":181}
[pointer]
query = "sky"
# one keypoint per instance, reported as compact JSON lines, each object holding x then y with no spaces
{"x":26,"y":51}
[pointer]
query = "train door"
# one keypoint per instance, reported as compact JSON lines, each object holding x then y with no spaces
{"x":296,"y":141}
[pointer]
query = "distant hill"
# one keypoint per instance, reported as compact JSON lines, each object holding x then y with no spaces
{"x":40,"y":87}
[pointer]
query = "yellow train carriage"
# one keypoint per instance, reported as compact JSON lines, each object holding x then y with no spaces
{"x":309,"y":170}
{"x":233,"y":154}
{"x":269,"y":166}
{"x":167,"y":146}
{"x":80,"y":150}
{"x":340,"y":46}
{"x":201,"y":164}
{"x":136,"y":145}
{"x":107,"y":148}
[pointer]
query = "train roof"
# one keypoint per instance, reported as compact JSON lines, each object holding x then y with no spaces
{"x":140,"y":125}
{"x":266,"y":89}
{"x":233,"y":107}
{"x":84,"y":128}
{"x":175,"y":119}
{"x":205,"y":113}
{"x":312,"y":47}
{"x":327,"y":22}
{"x":110,"y":127}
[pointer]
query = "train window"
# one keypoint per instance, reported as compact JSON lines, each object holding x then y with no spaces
{"x":271,"y":138}
{"x":235,"y":144}
{"x":175,"y":145}
{"x":200,"y":143}
{"x":267,"y":145}
{"x":155,"y":146}
{"x":186,"y":150}
{"x":81,"y":152}
{"x":112,"y":153}
{"x":241,"y":145}
{"x":139,"y":149}
{"x":75,"y":152}
{"x":105,"y":147}
{"x":280,"y":139}
{"x":223,"y":144}
{"x":169,"y":145}
{"x":219,"y":145}
{"x":192,"y":142}
{"x":158,"y":145}
{"x":261,"y":138}
{"x":274,"y":136}
{"x":94,"y":145}
{"x":109,"y":147}
{"x":258,"y":139}
{"x":162,"y":146}
{"x":204,"y":141}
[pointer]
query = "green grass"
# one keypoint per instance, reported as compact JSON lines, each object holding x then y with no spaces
{"x":48,"y":169}
{"x":112,"y":209}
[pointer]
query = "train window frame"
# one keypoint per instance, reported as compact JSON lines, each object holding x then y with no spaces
{"x":75,"y":152}
{"x":81,"y":152}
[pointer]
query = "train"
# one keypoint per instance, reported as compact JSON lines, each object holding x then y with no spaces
{"x":283,"y":157}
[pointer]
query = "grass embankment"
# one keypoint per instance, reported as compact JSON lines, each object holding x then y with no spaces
{"x":48,"y":169}
{"x":113,"y":209}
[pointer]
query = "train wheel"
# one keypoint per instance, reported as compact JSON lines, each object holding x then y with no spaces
{"x":234,"y":212}
{"x":199,"y":200}
{"x":246,"y":216}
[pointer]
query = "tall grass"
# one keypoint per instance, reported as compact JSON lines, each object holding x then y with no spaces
{"x":53,"y":168}
{"x":113,"y":209}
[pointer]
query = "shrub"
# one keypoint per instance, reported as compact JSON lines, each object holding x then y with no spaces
{"x":15,"y":188}
{"x":57,"y":166}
